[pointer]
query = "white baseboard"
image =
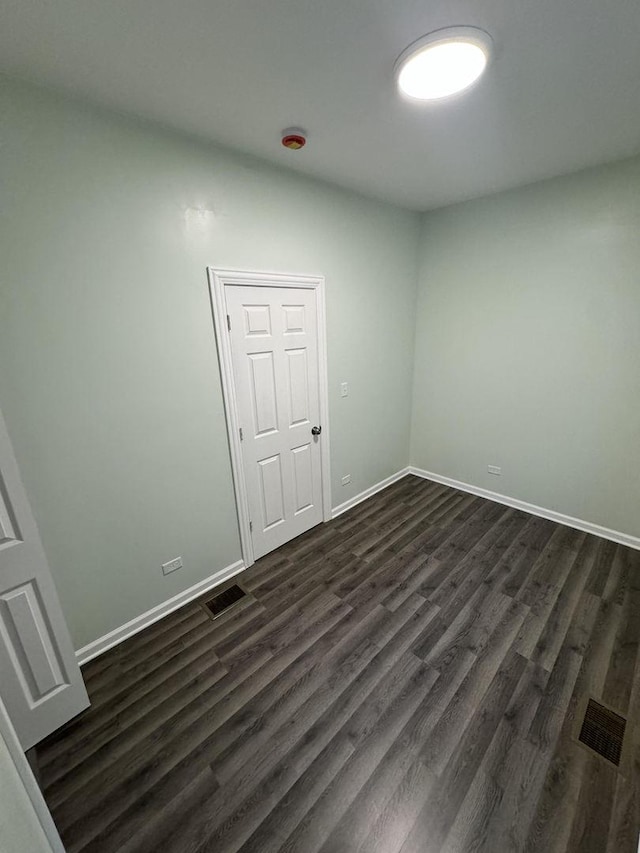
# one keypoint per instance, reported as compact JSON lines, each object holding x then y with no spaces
{"x":552,"y":515}
{"x":97,"y":647}
{"x":372,"y":490}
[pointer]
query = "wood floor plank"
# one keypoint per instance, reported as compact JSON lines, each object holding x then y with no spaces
{"x":460,"y":760}
{"x":138,"y":719}
{"x":408,"y":678}
{"x":181,"y":667}
{"x":479,"y":561}
{"x":322,"y":719}
{"x":623,"y":832}
{"x":175,"y":742}
{"x":481,"y":807}
{"x":592,"y":814}
{"x":290,"y":810}
{"x":618,"y":685}
{"x":388,"y":832}
{"x":559,"y":617}
{"x":312,"y":833}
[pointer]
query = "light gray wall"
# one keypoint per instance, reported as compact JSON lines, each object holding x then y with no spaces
{"x":528,"y":345}
{"x":108,"y":373}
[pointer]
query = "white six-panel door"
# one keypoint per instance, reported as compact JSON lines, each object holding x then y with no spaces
{"x":274,"y":346}
{"x":40,"y":680}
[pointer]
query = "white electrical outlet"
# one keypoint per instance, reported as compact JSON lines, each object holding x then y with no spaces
{"x":494,"y":469}
{"x":346,"y":479}
{"x":344,"y":389}
{"x":172,"y":565}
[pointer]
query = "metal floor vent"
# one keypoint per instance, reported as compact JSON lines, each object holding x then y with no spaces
{"x":223,"y":600}
{"x":603,"y":731}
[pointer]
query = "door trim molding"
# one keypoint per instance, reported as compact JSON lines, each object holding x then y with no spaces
{"x":218,"y":280}
{"x":31,"y":788}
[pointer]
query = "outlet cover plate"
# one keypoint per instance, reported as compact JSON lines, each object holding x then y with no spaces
{"x":172,"y":565}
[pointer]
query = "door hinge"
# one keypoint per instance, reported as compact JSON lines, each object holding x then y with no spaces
{"x":228,"y":322}
{"x":241,"y":434}
{"x":251,"y":526}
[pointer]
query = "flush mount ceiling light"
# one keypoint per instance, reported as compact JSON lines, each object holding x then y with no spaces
{"x":443,"y":63}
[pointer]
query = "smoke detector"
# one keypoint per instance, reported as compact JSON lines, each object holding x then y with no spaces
{"x":294,"y":138}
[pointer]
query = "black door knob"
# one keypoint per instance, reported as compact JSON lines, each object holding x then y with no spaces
{"x":316,"y":430}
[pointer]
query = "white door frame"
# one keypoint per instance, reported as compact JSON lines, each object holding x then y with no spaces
{"x":218,"y":280}
{"x":40,"y":809}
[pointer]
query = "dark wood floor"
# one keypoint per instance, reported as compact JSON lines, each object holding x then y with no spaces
{"x":408,"y":678}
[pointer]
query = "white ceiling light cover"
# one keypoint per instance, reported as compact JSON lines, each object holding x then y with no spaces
{"x":443,"y":63}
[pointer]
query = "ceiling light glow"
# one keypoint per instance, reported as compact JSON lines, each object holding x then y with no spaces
{"x":443,"y":63}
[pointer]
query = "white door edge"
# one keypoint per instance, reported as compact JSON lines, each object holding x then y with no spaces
{"x":31,"y":787}
{"x":218,"y":280}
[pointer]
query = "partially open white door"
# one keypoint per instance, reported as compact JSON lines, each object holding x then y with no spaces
{"x":40,"y":680}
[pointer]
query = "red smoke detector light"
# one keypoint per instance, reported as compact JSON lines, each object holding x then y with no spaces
{"x":294,"y":139}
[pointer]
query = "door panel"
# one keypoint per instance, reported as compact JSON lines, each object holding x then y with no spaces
{"x":24,"y":629}
{"x":8,"y":531}
{"x":41,"y":682}
{"x":275,"y":366}
{"x":257,"y":321}
{"x":298,"y":373}
{"x":293,"y":319}
{"x":263,"y":393}
{"x":302,"y":478}
{"x":271,"y":491}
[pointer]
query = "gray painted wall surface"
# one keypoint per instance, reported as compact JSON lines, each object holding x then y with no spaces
{"x":108,"y":372}
{"x":528,"y":345}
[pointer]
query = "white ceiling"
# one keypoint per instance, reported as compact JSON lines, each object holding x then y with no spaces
{"x":562,"y":93}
